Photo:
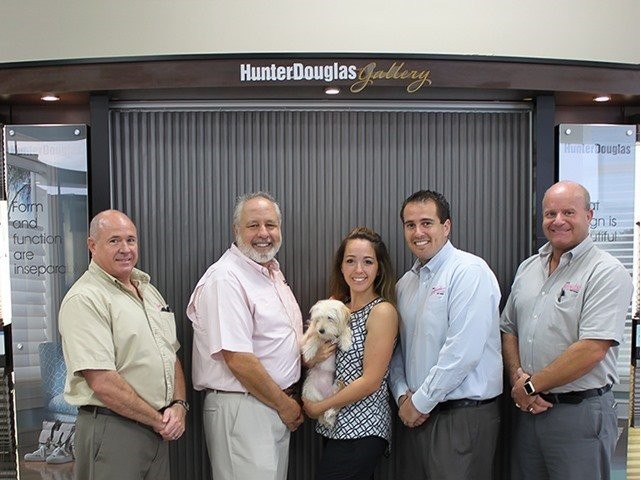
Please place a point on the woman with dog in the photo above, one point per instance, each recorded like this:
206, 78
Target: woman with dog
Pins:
363, 279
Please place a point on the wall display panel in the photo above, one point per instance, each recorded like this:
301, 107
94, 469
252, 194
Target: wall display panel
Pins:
177, 170
602, 158
46, 176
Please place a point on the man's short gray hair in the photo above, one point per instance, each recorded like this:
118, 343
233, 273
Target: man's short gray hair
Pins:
241, 200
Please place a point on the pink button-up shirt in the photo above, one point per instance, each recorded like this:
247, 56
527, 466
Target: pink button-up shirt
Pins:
239, 305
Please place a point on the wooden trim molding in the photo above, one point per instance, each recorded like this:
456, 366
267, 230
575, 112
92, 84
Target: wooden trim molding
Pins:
388, 72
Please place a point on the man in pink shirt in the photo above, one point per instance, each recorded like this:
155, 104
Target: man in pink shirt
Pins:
247, 325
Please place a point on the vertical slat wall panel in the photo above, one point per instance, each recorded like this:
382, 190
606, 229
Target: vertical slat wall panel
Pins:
178, 172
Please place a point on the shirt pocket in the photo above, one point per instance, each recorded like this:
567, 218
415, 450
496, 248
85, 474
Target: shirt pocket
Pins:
167, 322
565, 321
434, 313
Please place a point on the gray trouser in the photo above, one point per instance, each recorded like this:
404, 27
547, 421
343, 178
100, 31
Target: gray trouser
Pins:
454, 444
567, 442
109, 447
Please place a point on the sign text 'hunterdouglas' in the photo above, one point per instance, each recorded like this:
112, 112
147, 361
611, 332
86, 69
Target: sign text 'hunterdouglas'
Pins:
363, 76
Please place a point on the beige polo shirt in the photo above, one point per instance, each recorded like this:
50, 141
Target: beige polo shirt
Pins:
106, 327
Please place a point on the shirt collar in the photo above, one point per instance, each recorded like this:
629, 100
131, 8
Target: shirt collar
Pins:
546, 250
434, 263
138, 277
272, 265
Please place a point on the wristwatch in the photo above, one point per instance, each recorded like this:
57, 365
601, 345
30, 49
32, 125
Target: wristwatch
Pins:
529, 387
182, 403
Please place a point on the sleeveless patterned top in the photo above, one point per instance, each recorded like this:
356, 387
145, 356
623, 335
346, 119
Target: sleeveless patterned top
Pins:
372, 415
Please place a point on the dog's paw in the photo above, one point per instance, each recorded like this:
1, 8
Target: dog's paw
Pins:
329, 418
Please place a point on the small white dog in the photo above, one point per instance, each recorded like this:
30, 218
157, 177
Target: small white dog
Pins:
329, 323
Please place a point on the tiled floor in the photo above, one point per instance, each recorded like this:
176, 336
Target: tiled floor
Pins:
44, 471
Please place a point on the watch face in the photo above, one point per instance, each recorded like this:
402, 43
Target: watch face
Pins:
529, 388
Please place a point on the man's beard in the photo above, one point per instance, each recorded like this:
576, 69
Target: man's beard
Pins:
257, 257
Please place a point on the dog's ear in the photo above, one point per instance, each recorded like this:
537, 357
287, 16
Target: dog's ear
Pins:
346, 314
345, 340
310, 331
310, 347
312, 325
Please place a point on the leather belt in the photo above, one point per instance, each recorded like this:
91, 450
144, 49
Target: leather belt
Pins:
461, 403
574, 397
96, 410
291, 391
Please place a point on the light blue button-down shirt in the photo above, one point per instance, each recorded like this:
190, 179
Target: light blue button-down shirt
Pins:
450, 344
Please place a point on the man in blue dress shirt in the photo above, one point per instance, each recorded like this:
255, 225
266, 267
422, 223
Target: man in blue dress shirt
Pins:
446, 373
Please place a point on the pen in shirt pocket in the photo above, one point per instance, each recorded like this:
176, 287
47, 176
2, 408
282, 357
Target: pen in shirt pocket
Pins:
166, 308
561, 295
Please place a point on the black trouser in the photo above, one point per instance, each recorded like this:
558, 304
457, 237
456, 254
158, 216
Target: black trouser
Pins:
353, 459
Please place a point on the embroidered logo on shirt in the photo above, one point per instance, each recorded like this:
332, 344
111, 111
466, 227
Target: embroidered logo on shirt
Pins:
438, 291
572, 287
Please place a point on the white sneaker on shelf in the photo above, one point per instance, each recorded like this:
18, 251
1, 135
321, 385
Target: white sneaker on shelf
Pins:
60, 455
39, 455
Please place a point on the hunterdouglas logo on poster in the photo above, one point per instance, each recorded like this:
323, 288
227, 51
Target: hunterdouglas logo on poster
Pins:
363, 76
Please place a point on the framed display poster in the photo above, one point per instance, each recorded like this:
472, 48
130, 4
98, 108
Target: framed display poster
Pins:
46, 207
602, 159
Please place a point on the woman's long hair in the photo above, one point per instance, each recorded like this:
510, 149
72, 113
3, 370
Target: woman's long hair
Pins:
385, 282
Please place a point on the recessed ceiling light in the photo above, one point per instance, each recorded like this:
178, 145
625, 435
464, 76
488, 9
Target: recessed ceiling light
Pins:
50, 98
332, 90
602, 98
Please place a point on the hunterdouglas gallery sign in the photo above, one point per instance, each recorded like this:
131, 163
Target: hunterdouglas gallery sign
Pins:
362, 76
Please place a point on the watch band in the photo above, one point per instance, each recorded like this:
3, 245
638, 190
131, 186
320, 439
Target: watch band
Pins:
182, 403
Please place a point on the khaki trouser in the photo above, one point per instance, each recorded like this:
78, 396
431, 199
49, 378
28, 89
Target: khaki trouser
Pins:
246, 439
110, 447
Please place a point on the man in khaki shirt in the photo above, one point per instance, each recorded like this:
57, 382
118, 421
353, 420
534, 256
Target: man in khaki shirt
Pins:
119, 342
